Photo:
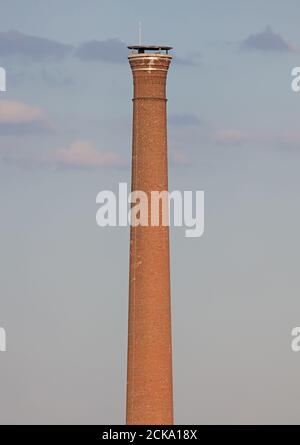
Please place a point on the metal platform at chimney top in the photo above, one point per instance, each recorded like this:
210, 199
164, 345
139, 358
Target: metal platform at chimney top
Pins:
141, 49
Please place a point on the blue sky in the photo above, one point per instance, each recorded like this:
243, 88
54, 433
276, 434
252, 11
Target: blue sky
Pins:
65, 134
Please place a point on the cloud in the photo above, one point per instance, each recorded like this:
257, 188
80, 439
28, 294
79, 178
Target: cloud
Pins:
14, 43
50, 76
115, 51
230, 137
56, 79
266, 41
191, 60
177, 158
79, 155
110, 50
16, 117
18, 112
83, 154
184, 120
288, 139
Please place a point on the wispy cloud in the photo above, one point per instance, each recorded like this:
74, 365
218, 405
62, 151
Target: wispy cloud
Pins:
184, 120
110, 50
289, 139
84, 154
15, 43
19, 117
18, 112
230, 137
191, 60
235, 137
79, 155
268, 40
33, 48
178, 158
56, 79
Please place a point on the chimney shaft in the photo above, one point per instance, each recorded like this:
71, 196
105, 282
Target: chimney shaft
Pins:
149, 374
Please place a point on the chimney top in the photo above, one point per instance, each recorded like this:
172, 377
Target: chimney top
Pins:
141, 49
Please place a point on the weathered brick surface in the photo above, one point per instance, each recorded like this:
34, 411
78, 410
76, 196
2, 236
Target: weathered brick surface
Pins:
149, 378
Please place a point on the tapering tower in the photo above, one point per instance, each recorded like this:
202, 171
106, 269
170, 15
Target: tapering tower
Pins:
149, 375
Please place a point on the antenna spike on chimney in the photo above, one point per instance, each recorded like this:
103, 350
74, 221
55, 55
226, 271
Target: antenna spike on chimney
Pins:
140, 33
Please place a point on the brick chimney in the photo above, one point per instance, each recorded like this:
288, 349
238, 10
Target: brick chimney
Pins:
149, 374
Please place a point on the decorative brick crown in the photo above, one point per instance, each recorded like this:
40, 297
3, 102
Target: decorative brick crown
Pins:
149, 62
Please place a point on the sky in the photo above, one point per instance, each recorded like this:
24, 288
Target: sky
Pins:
65, 135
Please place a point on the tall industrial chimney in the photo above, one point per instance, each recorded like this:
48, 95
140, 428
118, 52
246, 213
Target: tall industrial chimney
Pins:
149, 375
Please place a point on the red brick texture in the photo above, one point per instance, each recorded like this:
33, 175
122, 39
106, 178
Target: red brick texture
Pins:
149, 375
